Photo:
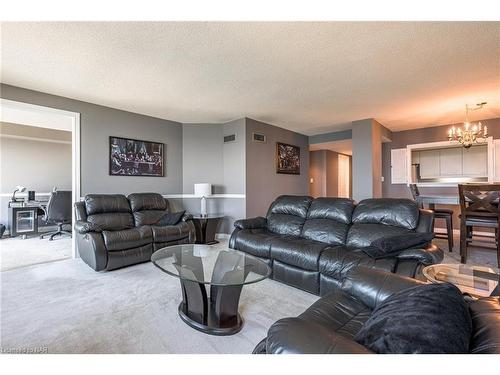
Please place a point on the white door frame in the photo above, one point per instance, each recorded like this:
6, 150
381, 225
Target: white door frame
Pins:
75, 148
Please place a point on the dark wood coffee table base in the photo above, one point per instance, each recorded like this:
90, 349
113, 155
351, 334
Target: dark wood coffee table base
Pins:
216, 314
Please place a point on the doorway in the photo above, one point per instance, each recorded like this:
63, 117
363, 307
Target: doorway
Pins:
41, 145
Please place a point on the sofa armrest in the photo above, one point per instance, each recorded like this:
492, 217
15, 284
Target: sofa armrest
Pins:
83, 227
298, 336
253, 223
92, 250
427, 256
425, 221
372, 286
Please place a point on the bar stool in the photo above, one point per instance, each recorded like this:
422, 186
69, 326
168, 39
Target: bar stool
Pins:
479, 206
439, 213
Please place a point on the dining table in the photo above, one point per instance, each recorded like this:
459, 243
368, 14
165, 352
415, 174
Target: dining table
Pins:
431, 200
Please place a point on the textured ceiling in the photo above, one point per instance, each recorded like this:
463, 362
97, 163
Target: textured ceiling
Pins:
307, 77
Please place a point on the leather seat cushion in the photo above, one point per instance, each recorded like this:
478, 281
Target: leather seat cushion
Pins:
328, 231
127, 239
402, 213
255, 242
112, 220
147, 201
148, 217
485, 314
336, 262
338, 312
335, 313
298, 252
170, 232
362, 235
103, 203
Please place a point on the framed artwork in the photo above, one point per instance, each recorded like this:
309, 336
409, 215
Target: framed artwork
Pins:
131, 157
287, 158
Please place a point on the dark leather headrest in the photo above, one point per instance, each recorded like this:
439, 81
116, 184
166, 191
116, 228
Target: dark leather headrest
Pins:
147, 201
389, 211
103, 203
338, 209
291, 205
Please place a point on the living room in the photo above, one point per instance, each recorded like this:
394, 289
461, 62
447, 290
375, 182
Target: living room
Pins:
253, 186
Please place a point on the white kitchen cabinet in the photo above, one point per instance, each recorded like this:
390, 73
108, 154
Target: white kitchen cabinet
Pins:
429, 164
496, 160
475, 161
450, 162
398, 166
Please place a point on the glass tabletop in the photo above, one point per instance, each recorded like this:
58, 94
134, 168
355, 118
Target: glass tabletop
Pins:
208, 265
476, 280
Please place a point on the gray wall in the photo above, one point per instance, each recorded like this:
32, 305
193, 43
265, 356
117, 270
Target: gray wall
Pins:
38, 165
97, 124
425, 135
206, 158
367, 137
263, 184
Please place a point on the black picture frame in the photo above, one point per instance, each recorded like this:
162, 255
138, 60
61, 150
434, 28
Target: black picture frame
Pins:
136, 158
287, 158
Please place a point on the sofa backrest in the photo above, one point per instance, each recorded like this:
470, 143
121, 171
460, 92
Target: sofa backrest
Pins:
328, 220
147, 208
109, 211
381, 217
287, 214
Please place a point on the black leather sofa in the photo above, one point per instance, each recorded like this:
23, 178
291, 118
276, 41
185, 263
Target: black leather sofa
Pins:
312, 243
332, 322
113, 231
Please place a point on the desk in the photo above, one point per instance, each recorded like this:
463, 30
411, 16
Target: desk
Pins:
23, 217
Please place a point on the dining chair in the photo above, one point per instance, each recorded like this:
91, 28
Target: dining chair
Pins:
479, 207
439, 213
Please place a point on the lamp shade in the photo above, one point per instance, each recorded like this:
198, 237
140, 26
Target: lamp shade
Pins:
202, 190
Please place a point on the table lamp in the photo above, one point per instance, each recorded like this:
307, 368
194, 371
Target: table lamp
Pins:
203, 190
20, 189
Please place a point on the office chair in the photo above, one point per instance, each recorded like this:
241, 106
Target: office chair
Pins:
58, 212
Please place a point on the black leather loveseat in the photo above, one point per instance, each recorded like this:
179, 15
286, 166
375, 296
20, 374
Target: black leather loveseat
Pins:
114, 231
312, 243
331, 323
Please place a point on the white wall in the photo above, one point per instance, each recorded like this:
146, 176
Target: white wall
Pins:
36, 158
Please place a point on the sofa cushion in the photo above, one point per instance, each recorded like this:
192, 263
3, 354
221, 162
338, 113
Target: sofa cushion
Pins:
127, 239
147, 201
387, 246
148, 217
170, 233
429, 318
362, 235
336, 262
485, 315
338, 209
328, 326
287, 214
388, 211
298, 252
104, 203
256, 242
171, 218
112, 221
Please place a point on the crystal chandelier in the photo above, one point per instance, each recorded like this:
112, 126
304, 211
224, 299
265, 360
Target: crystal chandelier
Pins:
469, 134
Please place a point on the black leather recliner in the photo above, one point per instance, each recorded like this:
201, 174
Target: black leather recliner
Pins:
331, 323
312, 243
113, 231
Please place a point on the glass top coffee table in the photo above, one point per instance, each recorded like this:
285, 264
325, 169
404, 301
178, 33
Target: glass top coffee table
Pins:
475, 280
224, 271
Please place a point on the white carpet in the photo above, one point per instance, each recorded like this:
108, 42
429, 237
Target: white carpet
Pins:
16, 252
68, 308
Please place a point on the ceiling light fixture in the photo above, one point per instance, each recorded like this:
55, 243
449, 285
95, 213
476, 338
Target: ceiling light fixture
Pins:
470, 133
